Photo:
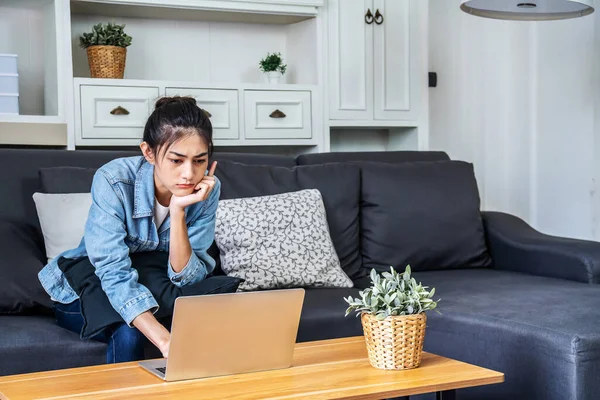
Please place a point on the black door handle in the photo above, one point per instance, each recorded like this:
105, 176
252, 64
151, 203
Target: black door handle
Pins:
378, 17
369, 17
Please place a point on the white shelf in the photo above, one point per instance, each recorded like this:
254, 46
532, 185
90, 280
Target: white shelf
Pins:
192, 84
32, 130
374, 139
262, 12
372, 124
213, 52
32, 119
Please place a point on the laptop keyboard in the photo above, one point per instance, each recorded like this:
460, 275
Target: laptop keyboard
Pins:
162, 369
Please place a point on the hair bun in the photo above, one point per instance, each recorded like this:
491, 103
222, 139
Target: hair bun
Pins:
163, 101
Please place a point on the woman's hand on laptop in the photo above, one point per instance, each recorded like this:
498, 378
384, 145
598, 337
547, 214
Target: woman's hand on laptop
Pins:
164, 349
154, 331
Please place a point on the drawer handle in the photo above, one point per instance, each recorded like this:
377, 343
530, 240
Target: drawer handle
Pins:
277, 114
209, 115
119, 111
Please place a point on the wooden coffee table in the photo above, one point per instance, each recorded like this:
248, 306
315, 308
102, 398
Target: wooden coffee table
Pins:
328, 369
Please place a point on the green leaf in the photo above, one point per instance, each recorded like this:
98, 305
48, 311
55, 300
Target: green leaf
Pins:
109, 34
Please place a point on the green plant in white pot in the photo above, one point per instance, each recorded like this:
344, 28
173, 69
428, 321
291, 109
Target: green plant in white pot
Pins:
273, 67
393, 317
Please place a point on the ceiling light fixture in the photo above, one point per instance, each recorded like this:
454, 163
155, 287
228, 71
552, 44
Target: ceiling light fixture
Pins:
528, 10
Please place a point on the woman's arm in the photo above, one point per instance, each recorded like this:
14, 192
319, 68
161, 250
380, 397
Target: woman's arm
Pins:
188, 246
180, 249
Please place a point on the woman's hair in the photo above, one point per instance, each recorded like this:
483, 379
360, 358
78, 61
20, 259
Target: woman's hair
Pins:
174, 118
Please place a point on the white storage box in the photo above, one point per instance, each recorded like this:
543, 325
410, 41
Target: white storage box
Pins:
8, 64
9, 83
9, 103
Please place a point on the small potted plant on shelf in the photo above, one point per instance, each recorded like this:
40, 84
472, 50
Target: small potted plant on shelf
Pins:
393, 318
273, 67
106, 48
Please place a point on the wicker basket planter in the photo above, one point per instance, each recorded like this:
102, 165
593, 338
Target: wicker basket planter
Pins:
395, 342
107, 61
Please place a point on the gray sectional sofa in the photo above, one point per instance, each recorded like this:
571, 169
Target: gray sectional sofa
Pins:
513, 299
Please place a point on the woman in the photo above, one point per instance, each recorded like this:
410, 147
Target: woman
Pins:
165, 200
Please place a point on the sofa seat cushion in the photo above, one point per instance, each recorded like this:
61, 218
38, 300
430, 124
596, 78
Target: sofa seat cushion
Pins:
521, 325
323, 315
36, 343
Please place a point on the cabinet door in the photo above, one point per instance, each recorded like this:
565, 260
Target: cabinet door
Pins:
395, 59
350, 60
221, 105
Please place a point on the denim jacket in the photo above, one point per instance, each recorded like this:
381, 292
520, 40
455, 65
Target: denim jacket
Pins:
121, 221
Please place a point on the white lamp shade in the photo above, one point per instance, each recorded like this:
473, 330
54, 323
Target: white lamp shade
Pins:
528, 10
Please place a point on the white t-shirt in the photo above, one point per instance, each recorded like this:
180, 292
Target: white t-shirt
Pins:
160, 213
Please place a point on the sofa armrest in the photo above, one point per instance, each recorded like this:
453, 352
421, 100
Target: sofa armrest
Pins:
516, 246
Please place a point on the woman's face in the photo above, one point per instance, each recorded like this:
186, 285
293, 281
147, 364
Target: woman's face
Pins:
181, 167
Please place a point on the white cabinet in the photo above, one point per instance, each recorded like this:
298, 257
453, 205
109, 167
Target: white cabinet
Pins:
221, 106
374, 68
113, 112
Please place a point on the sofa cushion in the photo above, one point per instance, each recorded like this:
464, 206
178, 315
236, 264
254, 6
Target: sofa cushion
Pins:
62, 220
323, 315
22, 259
522, 325
66, 179
278, 241
36, 343
338, 183
422, 214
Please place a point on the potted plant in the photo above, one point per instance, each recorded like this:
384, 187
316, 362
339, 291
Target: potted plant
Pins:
272, 65
106, 48
393, 318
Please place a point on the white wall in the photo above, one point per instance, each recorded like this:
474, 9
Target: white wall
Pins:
517, 99
565, 127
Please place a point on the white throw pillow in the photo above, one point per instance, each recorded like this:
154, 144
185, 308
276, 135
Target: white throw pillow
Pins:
62, 219
279, 241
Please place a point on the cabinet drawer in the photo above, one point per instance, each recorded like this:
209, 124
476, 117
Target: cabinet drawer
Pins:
222, 106
277, 114
115, 112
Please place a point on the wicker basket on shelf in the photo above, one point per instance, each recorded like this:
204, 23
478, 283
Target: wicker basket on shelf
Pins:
107, 61
395, 342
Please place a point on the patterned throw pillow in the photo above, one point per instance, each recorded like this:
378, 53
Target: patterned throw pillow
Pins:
279, 241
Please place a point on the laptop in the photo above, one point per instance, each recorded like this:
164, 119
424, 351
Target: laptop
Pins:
230, 333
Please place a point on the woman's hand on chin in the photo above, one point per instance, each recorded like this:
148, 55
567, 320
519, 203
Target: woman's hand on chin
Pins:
200, 193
